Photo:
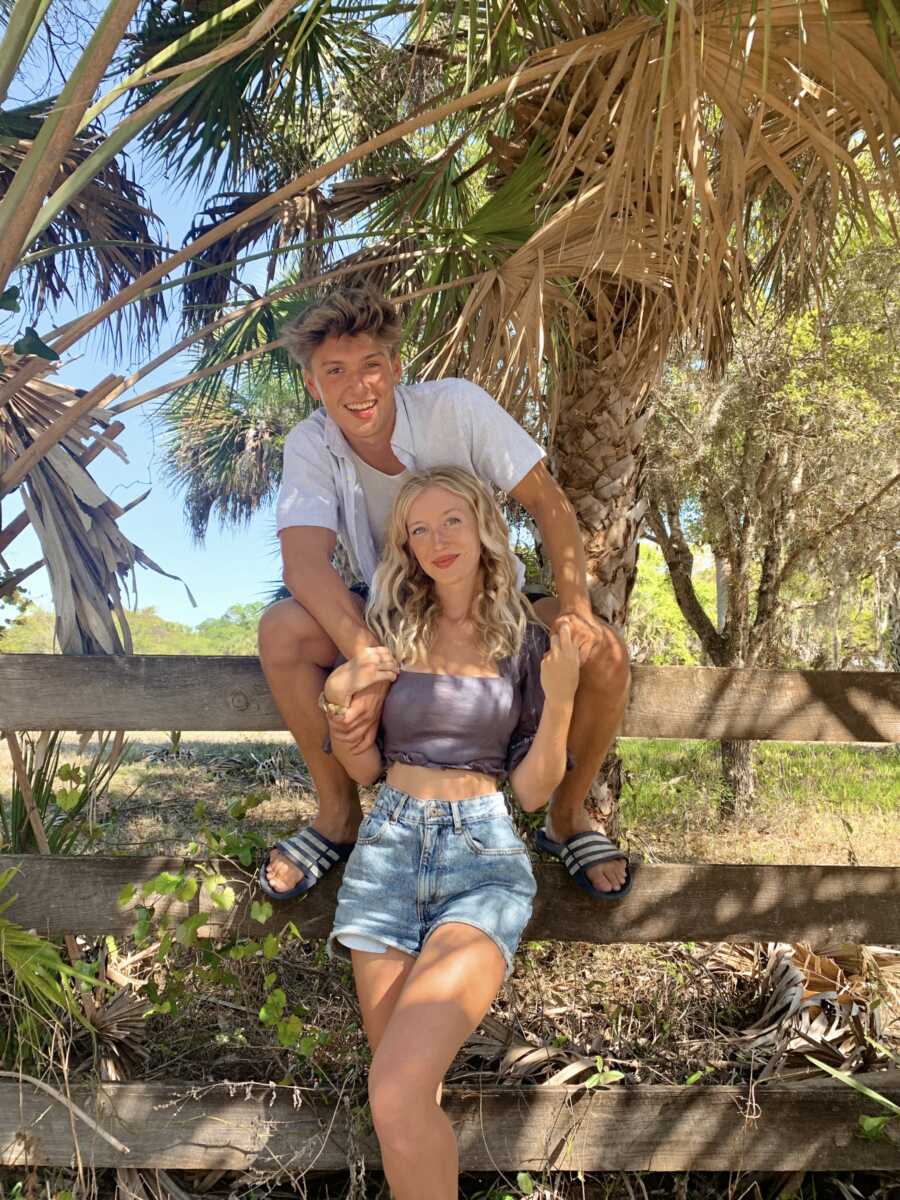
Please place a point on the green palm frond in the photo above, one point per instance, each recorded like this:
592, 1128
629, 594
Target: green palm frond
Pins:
37, 985
220, 128
226, 460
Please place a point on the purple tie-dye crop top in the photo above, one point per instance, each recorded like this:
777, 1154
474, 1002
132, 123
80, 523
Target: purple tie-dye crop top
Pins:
467, 723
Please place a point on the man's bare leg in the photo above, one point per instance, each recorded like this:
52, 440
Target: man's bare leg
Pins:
296, 656
599, 704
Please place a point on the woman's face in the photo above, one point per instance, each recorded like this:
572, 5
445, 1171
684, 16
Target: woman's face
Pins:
442, 534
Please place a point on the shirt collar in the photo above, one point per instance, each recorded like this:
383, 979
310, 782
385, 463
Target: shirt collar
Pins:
402, 438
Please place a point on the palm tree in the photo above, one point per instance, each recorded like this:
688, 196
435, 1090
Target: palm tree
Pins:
576, 185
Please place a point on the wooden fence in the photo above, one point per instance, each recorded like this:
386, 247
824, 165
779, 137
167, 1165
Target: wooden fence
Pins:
777, 1126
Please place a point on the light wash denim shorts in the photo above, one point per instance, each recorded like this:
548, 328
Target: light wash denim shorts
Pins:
420, 864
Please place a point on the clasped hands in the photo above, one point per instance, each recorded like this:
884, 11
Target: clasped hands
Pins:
360, 684
585, 629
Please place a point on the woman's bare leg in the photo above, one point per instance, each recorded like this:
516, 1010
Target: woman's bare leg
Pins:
436, 1005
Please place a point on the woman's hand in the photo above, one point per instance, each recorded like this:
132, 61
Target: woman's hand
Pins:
376, 664
559, 668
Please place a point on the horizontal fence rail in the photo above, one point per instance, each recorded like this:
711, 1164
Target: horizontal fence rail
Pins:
695, 902
777, 1127
47, 691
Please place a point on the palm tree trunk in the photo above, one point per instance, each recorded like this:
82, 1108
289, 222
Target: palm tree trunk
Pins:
599, 460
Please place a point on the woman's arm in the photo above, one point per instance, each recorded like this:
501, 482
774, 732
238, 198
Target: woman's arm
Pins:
541, 771
373, 665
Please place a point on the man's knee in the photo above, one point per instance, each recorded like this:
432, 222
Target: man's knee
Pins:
608, 667
288, 633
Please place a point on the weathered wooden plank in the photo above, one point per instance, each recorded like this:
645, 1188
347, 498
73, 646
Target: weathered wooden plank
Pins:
45, 691
699, 902
624, 1129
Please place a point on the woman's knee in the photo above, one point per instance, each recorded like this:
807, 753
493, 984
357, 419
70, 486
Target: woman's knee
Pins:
397, 1100
288, 633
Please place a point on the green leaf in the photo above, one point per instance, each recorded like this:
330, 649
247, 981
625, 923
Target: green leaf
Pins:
270, 946
222, 896
126, 895
273, 1007
30, 343
289, 1030
166, 883
142, 925
186, 930
67, 798
872, 1128
525, 1184
308, 1044
243, 950
188, 889
260, 911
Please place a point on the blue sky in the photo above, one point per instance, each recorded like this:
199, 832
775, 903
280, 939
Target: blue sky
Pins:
232, 567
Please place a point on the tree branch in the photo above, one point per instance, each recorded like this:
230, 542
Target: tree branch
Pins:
679, 561
794, 559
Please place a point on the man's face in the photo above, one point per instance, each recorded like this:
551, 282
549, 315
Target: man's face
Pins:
353, 377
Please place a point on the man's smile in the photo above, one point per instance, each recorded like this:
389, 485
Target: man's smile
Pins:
363, 409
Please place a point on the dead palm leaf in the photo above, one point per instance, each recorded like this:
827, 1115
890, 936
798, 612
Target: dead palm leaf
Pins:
831, 1003
86, 554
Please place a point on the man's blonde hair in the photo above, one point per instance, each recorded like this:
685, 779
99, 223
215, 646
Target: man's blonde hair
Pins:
345, 311
403, 608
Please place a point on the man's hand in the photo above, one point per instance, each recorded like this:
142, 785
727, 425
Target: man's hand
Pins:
585, 631
358, 726
375, 664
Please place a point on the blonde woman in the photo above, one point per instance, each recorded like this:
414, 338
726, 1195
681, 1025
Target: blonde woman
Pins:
439, 887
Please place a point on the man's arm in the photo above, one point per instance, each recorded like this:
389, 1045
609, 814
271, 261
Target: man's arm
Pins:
548, 505
306, 552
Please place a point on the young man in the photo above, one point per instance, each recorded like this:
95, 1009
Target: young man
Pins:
343, 466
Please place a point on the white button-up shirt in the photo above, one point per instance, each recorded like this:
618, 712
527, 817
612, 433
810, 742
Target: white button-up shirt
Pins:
449, 422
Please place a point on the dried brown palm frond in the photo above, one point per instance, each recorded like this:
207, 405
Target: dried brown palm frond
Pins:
830, 1004
658, 163
119, 1026
86, 554
687, 165
497, 1048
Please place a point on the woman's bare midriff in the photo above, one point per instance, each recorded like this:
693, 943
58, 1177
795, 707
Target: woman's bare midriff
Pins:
429, 783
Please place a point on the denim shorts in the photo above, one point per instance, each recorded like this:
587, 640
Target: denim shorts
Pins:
420, 864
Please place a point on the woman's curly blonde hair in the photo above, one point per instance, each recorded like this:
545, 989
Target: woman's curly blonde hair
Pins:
403, 607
